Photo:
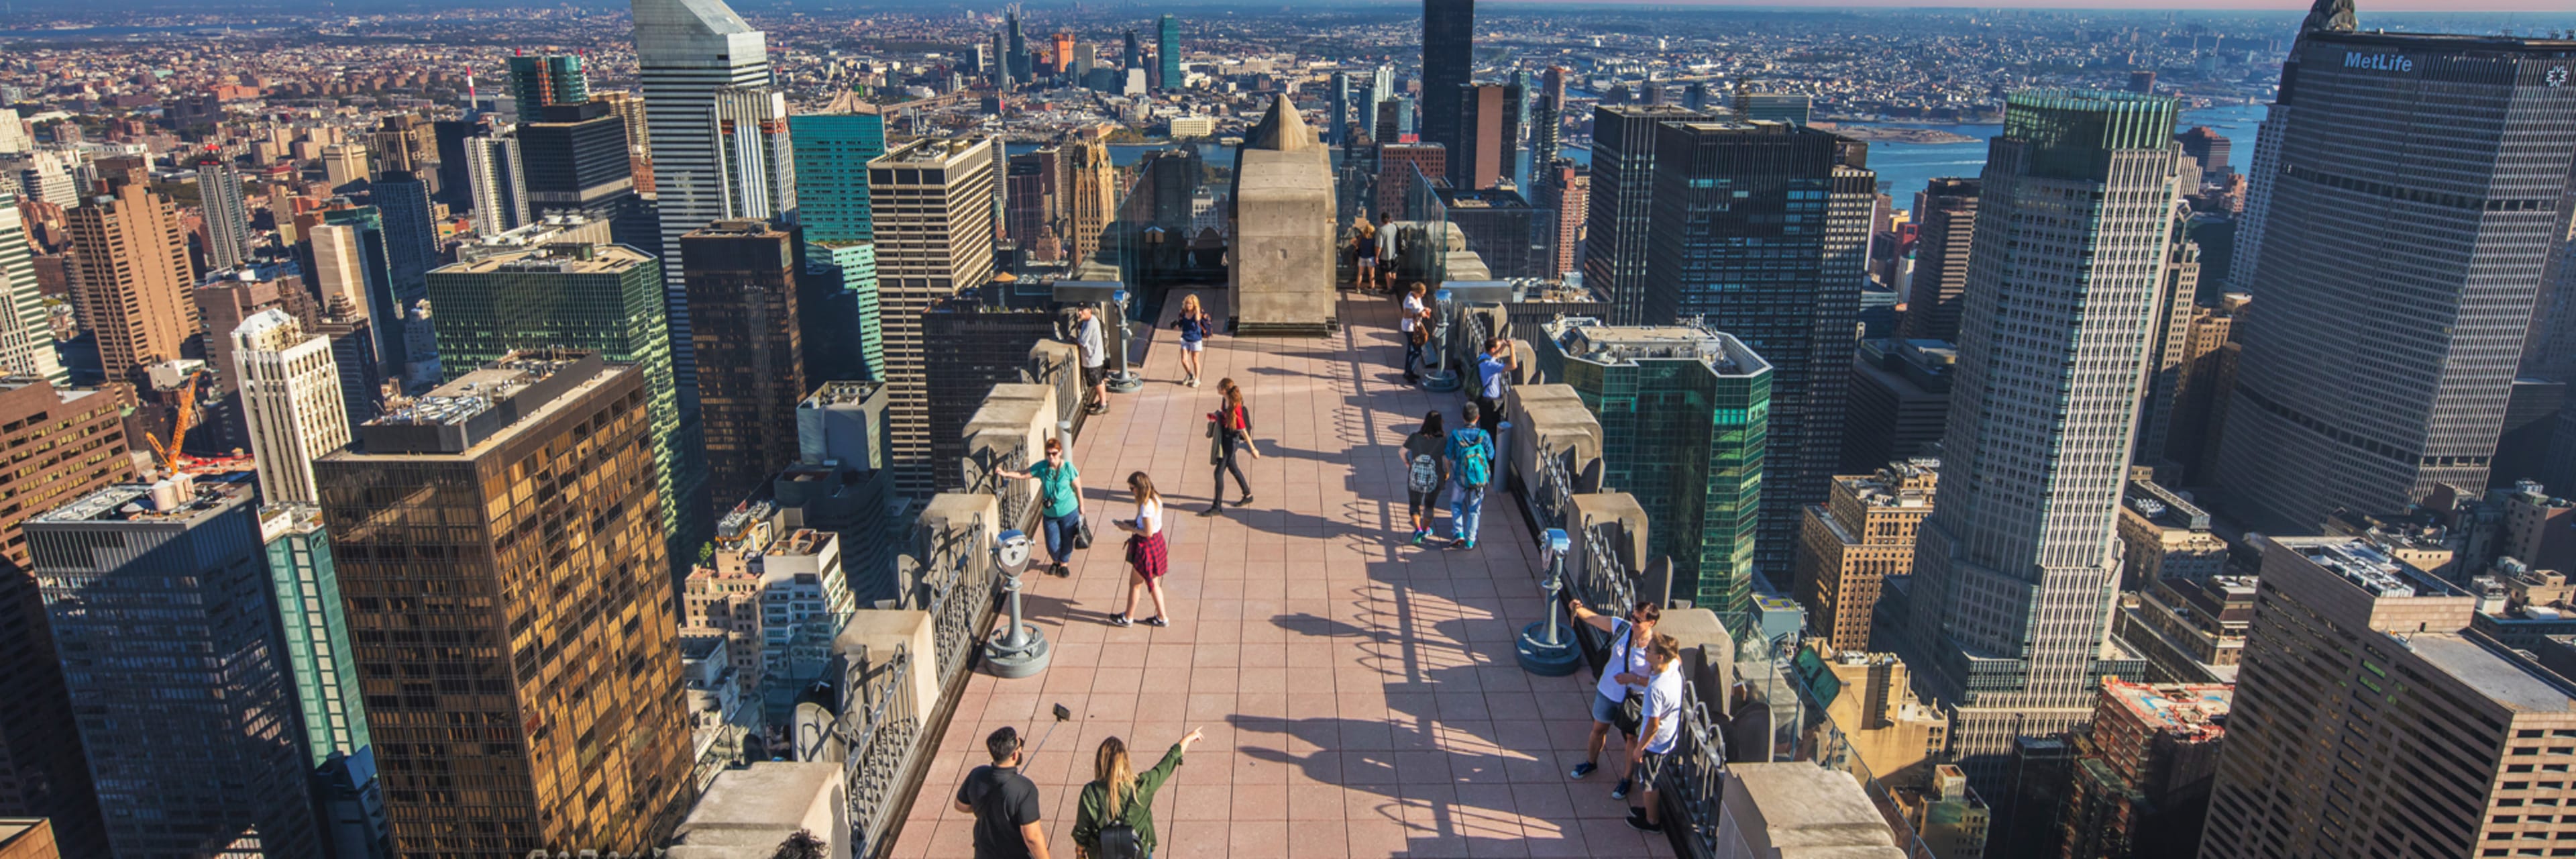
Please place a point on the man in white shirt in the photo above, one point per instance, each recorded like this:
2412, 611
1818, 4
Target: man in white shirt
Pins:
1659, 730
1095, 359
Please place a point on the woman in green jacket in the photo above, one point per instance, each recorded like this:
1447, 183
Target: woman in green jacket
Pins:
1120, 794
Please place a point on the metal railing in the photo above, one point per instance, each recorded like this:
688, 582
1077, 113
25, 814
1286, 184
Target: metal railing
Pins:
958, 589
882, 730
1017, 501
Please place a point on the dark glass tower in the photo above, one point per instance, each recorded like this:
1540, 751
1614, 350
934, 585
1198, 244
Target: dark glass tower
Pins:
744, 281
189, 717
2410, 190
1448, 59
1623, 180
1761, 230
573, 159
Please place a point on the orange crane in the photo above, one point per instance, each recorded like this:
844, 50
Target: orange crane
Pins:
171, 458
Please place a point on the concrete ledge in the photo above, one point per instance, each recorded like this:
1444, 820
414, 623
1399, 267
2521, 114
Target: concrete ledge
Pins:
1708, 653
873, 636
748, 812
1059, 367
1013, 416
1623, 521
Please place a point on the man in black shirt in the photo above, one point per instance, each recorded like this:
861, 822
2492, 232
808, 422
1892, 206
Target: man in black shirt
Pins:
1004, 802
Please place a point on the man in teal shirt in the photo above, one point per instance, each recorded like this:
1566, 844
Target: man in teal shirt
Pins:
1059, 502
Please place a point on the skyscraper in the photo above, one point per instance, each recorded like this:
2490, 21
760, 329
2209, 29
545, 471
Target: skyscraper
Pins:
2211, 150
1091, 201
402, 202
831, 155
493, 177
844, 332
1489, 136
599, 298
574, 160
1448, 60
685, 52
290, 392
1381, 88
2015, 571
758, 163
26, 335
1615, 234
220, 769
387, 297
1547, 122
1762, 231
568, 660
43, 772
2397, 277
745, 287
1167, 49
219, 193
1018, 57
1946, 210
934, 224
1339, 103
2361, 677
546, 80
129, 271
314, 624
1683, 414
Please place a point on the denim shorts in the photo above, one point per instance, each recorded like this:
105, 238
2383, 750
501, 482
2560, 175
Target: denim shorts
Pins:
1605, 709
1650, 768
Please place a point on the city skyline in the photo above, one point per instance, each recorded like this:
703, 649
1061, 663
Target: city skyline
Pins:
631, 425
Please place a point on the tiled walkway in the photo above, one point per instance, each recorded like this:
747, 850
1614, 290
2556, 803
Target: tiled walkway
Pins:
1360, 695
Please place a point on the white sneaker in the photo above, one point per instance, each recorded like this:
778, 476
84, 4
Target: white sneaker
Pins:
1192, 382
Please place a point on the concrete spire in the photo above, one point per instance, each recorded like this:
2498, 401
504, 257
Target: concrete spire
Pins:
1283, 129
2333, 16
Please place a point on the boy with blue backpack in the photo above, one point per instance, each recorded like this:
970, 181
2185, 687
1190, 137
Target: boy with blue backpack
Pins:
1471, 470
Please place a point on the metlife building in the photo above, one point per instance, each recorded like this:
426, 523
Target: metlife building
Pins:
2412, 187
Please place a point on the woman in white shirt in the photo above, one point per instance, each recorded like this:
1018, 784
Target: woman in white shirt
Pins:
1145, 551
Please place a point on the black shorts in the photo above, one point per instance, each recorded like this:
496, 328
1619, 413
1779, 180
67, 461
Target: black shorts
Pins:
1418, 502
1093, 376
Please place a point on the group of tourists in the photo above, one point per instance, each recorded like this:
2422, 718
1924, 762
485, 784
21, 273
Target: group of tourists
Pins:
1639, 693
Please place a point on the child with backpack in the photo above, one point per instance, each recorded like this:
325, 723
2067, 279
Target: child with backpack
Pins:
1116, 817
1471, 468
1426, 466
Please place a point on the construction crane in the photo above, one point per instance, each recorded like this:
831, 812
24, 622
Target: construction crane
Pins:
171, 458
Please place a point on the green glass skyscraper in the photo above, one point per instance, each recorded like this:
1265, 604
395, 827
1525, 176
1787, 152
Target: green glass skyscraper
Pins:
315, 629
602, 298
837, 298
1685, 414
543, 80
1167, 53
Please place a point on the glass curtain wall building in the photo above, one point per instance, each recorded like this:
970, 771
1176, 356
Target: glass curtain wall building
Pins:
1684, 414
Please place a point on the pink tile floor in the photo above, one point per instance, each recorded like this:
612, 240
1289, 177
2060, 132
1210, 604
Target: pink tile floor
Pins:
1359, 694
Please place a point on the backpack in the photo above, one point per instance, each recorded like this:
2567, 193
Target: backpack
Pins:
1476, 462
1425, 472
1119, 840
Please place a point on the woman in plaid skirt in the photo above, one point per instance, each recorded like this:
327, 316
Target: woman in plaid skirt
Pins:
1145, 552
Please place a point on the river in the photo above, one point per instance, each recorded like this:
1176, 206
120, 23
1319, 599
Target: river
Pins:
1903, 168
